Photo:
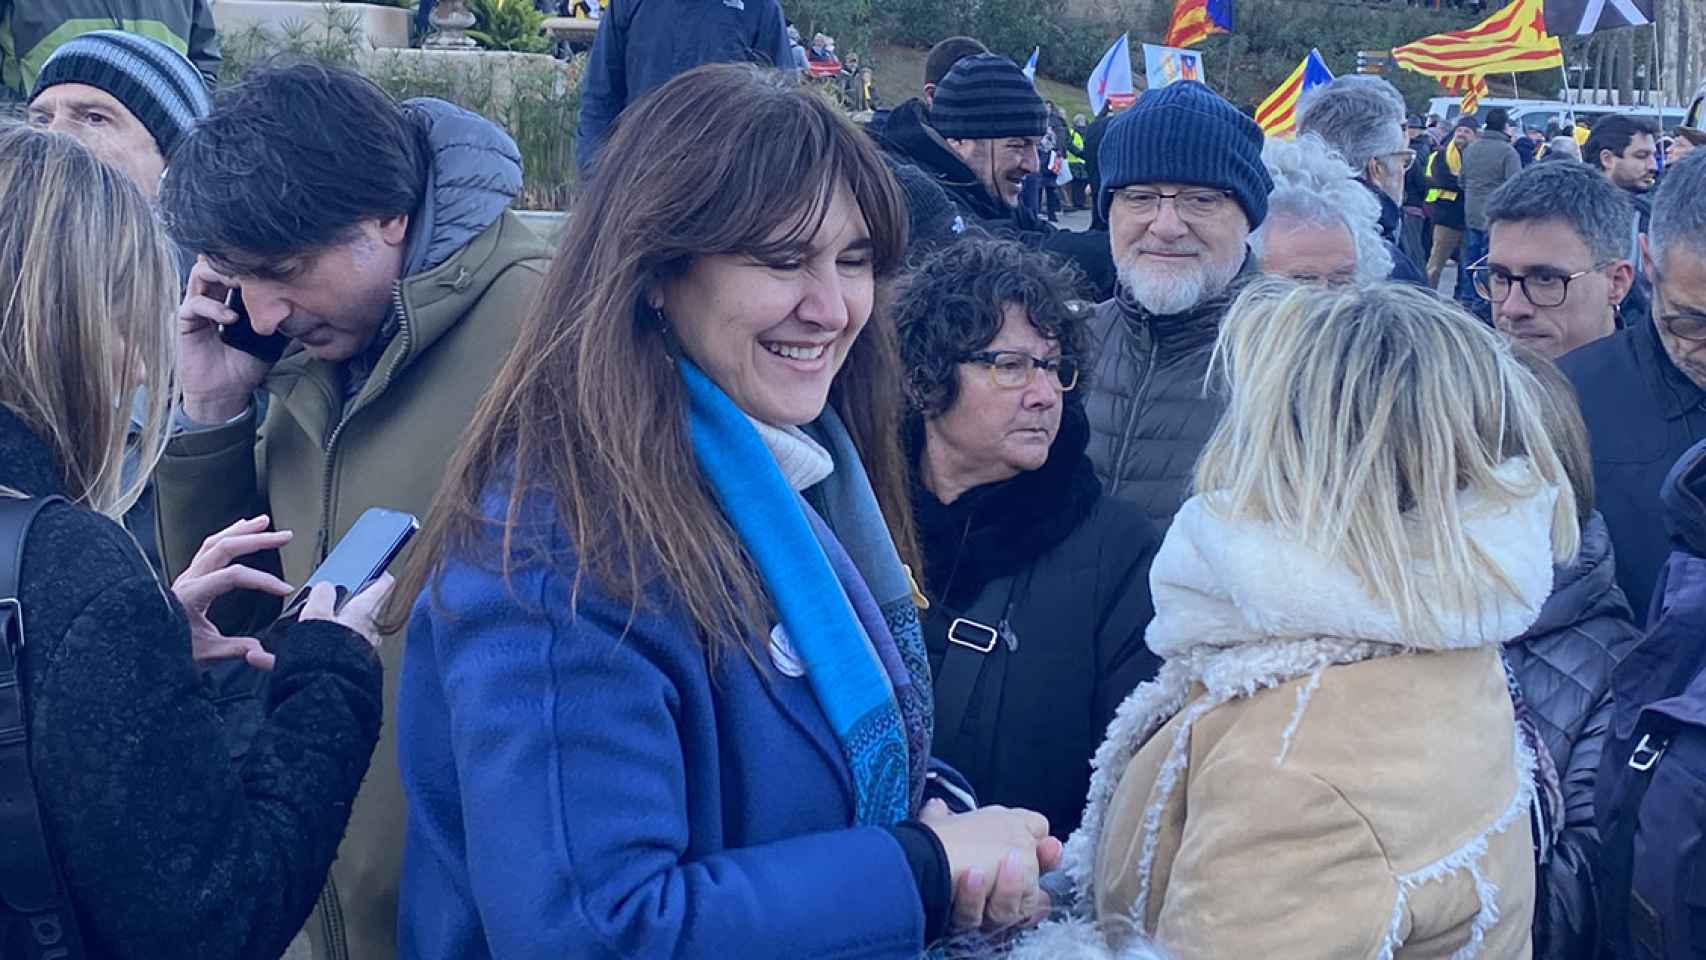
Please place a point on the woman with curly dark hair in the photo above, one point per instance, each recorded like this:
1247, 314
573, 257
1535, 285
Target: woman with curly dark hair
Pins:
1039, 585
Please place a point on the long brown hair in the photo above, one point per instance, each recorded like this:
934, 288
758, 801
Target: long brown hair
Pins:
88, 283
590, 412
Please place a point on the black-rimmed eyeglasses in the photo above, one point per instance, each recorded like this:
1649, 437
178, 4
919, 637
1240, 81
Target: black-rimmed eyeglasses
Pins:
1542, 288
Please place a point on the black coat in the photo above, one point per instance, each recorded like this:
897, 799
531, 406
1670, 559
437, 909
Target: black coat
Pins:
908, 138
1149, 418
1071, 570
1642, 413
1404, 269
167, 849
1563, 665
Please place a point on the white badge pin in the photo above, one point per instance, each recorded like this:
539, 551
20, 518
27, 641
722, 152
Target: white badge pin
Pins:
782, 653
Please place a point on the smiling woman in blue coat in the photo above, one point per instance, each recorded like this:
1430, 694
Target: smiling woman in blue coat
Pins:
666, 692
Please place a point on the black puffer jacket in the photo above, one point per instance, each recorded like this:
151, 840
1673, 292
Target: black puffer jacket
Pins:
1149, 418
1563, 665
908, 138
1079, 604
167, 849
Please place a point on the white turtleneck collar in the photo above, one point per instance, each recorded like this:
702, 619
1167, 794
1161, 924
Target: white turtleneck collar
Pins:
804, 461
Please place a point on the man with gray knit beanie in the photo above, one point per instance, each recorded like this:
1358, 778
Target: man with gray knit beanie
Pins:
1183, 185
126, 97
978, 143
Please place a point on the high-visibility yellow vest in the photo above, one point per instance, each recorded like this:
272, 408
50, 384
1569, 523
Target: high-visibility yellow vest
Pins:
1453, 160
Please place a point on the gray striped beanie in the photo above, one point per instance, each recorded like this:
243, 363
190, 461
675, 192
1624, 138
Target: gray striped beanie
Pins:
987, 97
158, 85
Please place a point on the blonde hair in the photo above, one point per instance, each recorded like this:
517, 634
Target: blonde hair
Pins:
88, 283
1356, 418
1562, 414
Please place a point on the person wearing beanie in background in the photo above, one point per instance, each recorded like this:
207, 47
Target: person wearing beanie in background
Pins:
1183, 184
126, 97
31, 30
129, 99
978, 143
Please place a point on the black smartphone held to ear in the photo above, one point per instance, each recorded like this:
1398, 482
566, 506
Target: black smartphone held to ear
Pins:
241, 334
360, 557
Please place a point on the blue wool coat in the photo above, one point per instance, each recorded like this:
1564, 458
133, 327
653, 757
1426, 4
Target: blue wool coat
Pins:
577, 792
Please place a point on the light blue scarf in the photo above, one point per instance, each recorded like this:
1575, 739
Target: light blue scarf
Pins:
862, 672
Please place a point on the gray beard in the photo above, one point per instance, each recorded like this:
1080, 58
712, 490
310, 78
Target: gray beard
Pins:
1165, 292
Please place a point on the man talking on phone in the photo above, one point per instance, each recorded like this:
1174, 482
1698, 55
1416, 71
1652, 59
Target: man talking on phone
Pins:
373, 242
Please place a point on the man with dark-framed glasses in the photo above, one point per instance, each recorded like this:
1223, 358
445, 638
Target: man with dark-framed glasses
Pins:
1557, 263
1643, 390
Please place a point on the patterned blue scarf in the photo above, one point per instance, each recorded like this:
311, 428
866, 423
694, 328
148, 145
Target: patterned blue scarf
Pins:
862, 654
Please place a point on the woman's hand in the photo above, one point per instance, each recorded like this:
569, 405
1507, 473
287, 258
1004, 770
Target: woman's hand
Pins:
358, 614
213, 573
995, 855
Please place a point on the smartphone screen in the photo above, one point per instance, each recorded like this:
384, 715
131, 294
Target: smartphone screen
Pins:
361, 556
241, 334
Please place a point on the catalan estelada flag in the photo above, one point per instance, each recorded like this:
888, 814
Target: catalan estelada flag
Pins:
1472, 86
1196, 20
1277, 116
1514, 40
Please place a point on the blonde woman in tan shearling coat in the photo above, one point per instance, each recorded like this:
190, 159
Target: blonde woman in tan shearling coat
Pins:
1328, 766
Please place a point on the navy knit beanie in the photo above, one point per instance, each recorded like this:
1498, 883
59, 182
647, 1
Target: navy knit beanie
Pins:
987, 97
1187, 133
157, 84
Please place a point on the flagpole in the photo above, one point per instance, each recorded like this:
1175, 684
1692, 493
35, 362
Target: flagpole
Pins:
1565, 71
1653, 68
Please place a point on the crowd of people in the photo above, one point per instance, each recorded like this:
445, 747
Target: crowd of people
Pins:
821, 553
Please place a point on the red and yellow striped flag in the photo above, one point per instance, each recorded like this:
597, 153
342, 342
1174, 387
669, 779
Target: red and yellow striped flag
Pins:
1513, 40
1196, 20
1277, 116
1472, 86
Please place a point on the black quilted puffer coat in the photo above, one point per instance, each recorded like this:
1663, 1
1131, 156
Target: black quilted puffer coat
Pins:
1149, 417
1563, 664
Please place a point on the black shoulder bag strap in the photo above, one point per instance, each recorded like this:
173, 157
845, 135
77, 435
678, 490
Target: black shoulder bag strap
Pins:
35, 914
975, 639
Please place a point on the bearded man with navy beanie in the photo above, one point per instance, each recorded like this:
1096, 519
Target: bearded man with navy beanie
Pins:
978, 142
1183, 185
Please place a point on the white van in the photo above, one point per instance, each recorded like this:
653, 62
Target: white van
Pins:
1537, 113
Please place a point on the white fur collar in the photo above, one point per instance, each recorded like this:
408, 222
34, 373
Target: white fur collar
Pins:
1240, 609
804, 461
1224, 583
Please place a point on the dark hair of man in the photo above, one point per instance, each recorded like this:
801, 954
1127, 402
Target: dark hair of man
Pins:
1497, 119
1614, 133
1573, 195
952, 305
589, 414
946, 53
289, 161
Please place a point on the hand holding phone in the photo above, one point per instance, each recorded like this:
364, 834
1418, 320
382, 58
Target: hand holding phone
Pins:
360, 614
218, 380
240, 333
360, 558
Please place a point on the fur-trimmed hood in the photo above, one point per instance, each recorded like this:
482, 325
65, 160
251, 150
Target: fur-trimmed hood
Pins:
1254, 626
1221, 583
